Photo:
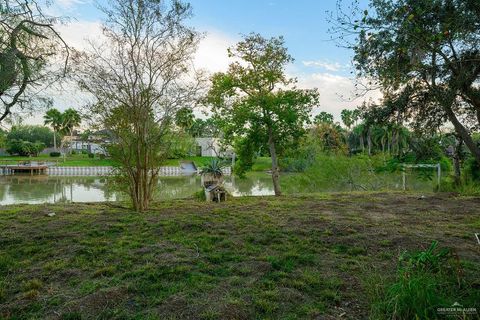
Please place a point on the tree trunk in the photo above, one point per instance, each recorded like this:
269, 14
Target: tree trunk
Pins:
369, 141
275, 171
389, 143
54, 140
463, 134
394, 142
457, 154
70, 146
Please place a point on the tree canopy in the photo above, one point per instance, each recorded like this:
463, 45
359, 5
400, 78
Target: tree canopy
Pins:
425, 56
257, 104
140, 78
323, 117
29, 45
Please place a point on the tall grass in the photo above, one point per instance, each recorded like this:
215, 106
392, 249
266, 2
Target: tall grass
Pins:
425, 281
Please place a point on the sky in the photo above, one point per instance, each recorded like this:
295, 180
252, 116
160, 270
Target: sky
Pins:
319, 62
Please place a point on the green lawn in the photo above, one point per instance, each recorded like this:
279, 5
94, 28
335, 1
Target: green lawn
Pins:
302, 257
262, 164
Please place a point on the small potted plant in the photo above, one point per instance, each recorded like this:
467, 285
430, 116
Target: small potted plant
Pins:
212, 173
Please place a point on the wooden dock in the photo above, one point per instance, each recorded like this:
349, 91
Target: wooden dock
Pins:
8, 167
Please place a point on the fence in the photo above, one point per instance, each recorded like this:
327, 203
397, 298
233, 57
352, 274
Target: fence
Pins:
436, 166
104, 171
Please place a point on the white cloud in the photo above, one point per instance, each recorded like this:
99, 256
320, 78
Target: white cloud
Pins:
64, 8
70, 3
212, 52
211, 56
324, 64
76, 33
336, 92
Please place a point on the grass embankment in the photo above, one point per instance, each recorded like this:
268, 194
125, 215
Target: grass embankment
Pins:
249, 258
82, 160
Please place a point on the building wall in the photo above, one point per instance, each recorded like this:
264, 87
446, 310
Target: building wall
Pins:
209, 146
89, 146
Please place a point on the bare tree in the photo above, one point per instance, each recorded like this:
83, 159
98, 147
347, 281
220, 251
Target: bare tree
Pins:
140, 77
32, 54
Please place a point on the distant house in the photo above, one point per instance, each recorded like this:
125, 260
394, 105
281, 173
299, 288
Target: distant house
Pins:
90, 147
93, 144
210, 147
207, 147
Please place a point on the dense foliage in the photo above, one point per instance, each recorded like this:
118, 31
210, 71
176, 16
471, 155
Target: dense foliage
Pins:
32, 54
425, 56
32, 134
24, 148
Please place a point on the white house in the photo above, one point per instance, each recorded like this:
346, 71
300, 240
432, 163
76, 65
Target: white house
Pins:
210, 147
90, 147
207, 147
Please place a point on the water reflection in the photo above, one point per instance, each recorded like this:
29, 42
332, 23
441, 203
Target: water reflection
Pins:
41, 189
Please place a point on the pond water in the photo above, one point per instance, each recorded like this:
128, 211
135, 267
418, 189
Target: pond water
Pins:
43, 188
40, 189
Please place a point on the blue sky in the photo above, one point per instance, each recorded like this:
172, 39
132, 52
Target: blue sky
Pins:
319, 62
303, 23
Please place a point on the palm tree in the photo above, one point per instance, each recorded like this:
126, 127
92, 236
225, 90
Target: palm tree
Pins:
185, 118
54, 118
71, 119
347, 118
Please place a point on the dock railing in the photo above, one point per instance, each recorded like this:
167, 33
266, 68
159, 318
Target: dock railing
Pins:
15, 162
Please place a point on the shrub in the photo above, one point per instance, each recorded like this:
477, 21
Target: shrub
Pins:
91, 155
24, 148
55, 154
84, 151
214, 168
336, 172
73, 152
101, 156
32, 134
200, 195
472, 169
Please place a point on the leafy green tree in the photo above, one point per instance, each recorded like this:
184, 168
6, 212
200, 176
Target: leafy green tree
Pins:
181, 144
54, 118
184, 118
3, 138
329, 137
70, 119
204, 128
152, 45
257, 104
323, 117
347, 118
425, 56
32, 134
85, 135
24, 148
28, 45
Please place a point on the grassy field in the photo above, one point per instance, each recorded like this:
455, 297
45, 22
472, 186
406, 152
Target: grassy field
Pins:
82, 160
303, 257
